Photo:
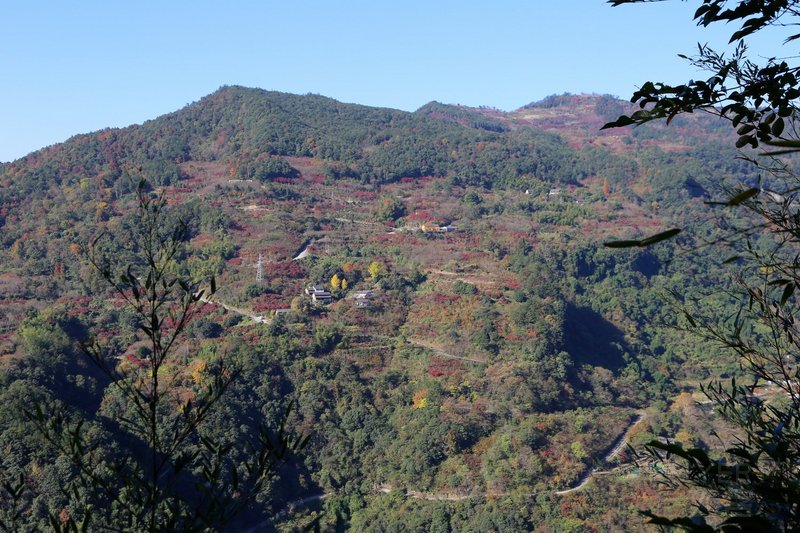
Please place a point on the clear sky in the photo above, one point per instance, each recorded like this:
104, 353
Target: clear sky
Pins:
75, 67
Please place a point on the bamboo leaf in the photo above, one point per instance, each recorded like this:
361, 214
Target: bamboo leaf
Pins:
787, 292
658, 237
743, 196
622, 244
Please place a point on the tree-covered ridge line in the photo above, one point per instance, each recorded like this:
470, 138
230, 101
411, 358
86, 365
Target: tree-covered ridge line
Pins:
237, 125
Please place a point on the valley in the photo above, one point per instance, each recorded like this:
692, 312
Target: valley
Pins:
473, 351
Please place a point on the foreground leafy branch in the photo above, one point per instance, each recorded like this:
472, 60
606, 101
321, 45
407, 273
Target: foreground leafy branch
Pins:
759, 100
755, 481
164, 470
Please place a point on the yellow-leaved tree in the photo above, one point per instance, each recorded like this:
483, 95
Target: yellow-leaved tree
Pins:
375, 269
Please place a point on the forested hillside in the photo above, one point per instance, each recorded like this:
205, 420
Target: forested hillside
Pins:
500, 355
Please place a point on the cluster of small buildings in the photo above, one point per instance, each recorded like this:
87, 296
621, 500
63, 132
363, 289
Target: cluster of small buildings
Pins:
319, 295
362, 299
556, 192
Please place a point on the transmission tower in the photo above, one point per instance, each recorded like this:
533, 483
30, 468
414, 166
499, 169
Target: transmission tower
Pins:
259, 270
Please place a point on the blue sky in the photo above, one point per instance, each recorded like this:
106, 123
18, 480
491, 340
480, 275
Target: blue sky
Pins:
76, 67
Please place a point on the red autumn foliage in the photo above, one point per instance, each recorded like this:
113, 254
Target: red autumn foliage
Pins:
130, 358
440, 367
419, 216
511, 283
15, 301
365, 195
445, 299
77, 311
495, 294
286, 269
270, 302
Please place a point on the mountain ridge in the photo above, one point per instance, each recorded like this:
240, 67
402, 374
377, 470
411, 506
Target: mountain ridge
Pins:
503, 347
228, 94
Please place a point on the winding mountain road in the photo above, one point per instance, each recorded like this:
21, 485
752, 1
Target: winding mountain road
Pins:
440, 353
619, 444
257, 318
